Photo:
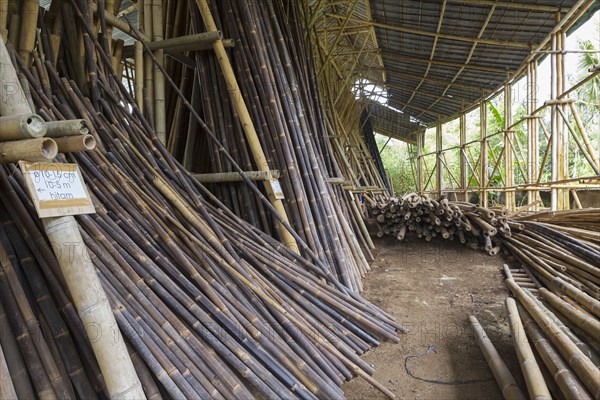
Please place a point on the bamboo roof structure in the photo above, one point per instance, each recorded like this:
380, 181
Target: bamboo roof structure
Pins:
434, 58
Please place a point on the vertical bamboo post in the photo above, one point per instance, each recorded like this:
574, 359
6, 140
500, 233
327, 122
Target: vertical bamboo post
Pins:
240, 106
420, 138
160, 123
4, 19
439, 173
532, 132
463, 156
483, 172
563, 137
145, 15
509, 139
29, 15
139, 74
80, 275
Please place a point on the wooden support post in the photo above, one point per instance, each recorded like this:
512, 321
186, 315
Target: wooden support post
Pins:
240, 107
82, 281
464, 172
483, 171
509, 140
420, 138
439, 173
532, 133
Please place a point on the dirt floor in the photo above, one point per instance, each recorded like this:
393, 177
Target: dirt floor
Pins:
432, 288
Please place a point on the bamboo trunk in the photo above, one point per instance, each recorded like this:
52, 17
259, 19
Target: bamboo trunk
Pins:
94, 310
23, 126
534, 379
70, 144
42, 149
504, 378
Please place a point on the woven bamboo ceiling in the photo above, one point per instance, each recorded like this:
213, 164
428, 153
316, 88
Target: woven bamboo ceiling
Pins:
434, 58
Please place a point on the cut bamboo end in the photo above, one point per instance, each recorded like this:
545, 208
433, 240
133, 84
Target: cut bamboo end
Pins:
24, 126
40, 149
70, 144
73, 127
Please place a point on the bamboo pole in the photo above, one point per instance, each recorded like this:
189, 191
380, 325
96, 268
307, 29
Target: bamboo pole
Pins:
72, 127
245, 119
23, 126
7, 390
70, 144
160, 123
29, 15
504, 378
41, 149
14, 99
582, 365
533, 376
236, 177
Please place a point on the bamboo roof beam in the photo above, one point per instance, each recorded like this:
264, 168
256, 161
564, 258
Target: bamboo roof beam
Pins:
402, 57
432, 54
439, 81
471, 52
510, 4
492, 42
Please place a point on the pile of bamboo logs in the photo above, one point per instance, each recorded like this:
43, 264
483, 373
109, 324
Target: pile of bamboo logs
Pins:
209, 305
477, 227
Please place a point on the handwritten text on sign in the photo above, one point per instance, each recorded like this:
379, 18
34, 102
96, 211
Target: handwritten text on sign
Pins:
57, 189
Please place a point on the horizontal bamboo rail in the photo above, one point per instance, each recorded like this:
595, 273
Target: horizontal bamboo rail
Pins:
222, 177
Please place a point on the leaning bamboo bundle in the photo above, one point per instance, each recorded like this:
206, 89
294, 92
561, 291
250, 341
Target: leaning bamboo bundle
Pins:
214, 306
274, 80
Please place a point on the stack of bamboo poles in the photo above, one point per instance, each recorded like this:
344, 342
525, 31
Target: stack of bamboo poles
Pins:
477, 227
275, 78
210, 306
554, 313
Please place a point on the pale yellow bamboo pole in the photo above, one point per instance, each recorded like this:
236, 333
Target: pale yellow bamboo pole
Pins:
244, 116
4, 18
139, 75
505, 380
29, 15
83, 283
160, 122
483, 171
144, 10
584, 135
536, 385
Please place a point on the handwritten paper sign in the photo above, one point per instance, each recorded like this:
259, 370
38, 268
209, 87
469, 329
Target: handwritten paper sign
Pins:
57, 189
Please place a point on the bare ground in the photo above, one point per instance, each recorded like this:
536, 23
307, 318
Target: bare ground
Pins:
432, 288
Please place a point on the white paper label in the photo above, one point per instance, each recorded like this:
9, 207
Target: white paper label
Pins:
276, 186
57, 185
56, 189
